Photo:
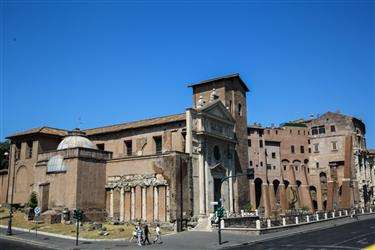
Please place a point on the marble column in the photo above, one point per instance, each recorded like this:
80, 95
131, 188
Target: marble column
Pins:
156, 204
132, 210
122, 204
111, 204
144, 204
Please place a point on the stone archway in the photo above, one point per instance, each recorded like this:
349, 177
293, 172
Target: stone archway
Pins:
258, 191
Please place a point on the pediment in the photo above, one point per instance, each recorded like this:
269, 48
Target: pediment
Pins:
218, 109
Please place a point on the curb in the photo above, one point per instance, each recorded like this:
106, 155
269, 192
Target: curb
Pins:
257, 241
26, 241
71, 237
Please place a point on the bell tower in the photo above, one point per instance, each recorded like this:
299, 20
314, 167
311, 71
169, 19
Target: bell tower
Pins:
231, 91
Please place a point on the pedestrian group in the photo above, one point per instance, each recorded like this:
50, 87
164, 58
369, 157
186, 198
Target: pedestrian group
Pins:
142, 235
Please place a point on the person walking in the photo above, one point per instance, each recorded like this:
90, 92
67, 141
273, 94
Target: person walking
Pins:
134, 235
139, 235
158, 234
146, 231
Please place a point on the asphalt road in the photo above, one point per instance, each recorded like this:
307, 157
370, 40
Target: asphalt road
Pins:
350, 236
10, 244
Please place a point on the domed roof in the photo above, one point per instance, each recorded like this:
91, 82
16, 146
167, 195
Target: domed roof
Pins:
56, 164
75, 139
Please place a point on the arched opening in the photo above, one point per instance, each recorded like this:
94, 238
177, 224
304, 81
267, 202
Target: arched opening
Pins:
286, 184
285, 164
276, 184
323, 187
313, 195
258, 191
298, 183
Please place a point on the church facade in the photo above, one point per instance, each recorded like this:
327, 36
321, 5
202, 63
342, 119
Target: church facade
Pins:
169, 169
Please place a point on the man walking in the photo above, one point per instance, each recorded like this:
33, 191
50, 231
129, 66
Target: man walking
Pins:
146, 232
158, 234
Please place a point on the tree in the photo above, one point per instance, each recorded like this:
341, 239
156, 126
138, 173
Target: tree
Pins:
4, 160
33, 201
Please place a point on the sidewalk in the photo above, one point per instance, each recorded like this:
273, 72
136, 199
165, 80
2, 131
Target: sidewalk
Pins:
184, 240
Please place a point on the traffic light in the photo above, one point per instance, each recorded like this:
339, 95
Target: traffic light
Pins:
78, 214
250, 173
220, 212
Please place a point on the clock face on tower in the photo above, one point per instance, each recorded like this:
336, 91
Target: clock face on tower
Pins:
217, 155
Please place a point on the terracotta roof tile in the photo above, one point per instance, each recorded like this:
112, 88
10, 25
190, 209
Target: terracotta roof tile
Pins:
42, 130
136, 124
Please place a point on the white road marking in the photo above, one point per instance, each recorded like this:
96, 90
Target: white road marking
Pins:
363, 241
335, 247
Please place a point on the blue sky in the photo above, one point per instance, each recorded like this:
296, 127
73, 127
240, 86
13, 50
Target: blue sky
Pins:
92, 63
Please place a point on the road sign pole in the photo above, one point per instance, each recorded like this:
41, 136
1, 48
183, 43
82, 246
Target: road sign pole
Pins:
219, 231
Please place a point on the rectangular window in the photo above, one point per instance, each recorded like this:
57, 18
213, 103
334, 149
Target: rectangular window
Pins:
290, 131
284, 168
249, 142
292, 149
333, 128
274, 167
276, 131
314, 130
317, 165
128, 147
334, 145
302, 149
100, 146
308, 141
322, 130
251, 163
158, 144
29, 150
261, 143
316, 148
299, 132
261, 164
273, 155
309, 150
296, 168
308, 170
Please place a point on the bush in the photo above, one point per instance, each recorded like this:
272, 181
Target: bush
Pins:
33, 201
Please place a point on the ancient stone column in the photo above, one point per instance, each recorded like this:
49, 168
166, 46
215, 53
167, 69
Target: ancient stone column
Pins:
266, 200
156, 204
202, 189
122, 204
283, 197
132, 210
144, 204
111, 204
271, 192
252, 195
168, 205
230, 183
330, 194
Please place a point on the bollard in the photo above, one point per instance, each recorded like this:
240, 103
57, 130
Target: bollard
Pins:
317, 217
257, 223
370, 210
346, 212
325, 215
297, 220
268, 223
256, 212
340, 213
242, 213
222, 224
284, 221
307, 218
363, 211
333, 214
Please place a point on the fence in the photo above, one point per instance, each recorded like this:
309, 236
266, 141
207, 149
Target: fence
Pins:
254, 221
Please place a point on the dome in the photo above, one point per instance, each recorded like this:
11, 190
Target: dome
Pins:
76, 140
56, 164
